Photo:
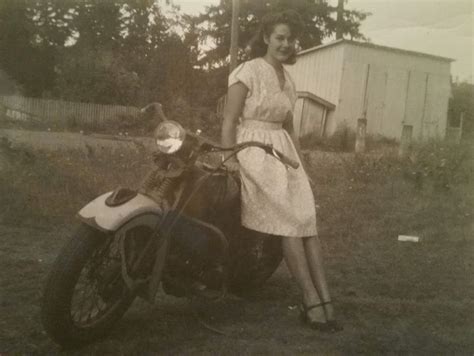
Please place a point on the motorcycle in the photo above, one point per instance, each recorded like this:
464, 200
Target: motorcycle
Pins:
179, 229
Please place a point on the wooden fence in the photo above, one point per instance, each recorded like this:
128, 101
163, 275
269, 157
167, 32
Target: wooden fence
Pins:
63, 113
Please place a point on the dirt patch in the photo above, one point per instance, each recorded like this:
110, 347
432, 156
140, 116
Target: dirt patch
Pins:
64, 141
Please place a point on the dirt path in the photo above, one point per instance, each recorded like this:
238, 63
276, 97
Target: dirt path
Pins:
54, 141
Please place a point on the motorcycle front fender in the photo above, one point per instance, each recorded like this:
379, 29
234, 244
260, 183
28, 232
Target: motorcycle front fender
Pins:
109, 219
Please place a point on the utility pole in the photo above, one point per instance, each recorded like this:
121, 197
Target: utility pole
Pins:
234, 36
340, 21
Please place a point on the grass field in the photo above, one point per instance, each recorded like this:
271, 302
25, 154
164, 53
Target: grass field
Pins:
392, 297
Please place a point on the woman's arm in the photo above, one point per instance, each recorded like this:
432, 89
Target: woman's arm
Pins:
233, 109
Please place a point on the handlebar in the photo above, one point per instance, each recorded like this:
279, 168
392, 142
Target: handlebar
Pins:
270, 150
267, 148
156, 109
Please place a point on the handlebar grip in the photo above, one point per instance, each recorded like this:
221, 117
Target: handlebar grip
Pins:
286, 160
270, 150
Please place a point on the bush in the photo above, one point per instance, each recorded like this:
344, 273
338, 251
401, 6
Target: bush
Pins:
441, 163
435, 164
343, 140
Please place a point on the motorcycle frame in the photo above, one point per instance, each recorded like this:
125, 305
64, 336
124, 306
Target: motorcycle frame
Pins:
167, 215
162, 251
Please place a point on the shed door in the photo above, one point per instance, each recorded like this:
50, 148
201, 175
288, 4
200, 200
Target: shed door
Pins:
394, 108
375, 102
415, 99
437, 96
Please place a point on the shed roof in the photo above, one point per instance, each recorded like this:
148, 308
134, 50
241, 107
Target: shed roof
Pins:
316, 99
371, 45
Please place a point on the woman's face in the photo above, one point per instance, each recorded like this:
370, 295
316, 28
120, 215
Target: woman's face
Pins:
281, 44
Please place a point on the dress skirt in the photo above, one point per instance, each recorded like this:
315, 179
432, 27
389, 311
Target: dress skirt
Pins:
276, 199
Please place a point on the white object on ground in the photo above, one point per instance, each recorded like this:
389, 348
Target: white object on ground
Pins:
408, 238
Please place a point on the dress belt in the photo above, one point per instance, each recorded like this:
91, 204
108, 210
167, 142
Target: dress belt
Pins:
259, 124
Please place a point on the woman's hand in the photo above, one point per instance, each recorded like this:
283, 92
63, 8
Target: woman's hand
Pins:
288, 126
232, 165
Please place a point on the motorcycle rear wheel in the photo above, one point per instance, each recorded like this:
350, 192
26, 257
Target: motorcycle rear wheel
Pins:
80, 262
257, 259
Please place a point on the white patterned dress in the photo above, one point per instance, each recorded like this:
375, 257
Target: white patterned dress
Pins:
275, 199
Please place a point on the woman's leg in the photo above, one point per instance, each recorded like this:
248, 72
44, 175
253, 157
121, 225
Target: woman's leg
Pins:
312, 247
296, 260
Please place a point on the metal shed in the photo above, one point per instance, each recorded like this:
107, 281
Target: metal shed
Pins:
347, 80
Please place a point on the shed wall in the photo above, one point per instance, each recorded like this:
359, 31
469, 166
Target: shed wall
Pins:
319, 73
393, 59
391, 89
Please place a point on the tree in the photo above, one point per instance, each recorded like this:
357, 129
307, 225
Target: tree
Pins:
21, 57
123, 52
31, 35
215, 26
99, 75
462, 101
318, 18
96, 24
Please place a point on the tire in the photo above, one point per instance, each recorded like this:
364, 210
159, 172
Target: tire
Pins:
258, 258
56, 312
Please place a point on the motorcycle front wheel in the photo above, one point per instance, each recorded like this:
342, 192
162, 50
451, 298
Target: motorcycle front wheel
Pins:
85, 294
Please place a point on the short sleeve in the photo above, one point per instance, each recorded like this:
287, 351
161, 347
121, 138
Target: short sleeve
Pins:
243, 73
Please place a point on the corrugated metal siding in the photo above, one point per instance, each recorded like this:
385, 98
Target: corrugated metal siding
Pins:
319, 74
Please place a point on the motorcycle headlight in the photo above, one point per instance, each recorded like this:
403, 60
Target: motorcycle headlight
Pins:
169, 136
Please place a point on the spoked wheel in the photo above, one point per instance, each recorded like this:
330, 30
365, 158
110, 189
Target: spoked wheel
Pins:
99, 288
85, 293
257, 259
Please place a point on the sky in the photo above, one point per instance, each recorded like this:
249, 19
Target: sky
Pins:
440, 27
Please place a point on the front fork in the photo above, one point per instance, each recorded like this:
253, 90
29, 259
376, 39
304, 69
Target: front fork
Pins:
166, 188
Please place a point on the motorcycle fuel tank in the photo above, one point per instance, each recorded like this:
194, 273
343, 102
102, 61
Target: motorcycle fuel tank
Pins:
215, 198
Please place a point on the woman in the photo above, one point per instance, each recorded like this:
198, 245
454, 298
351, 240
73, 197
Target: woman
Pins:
275, 199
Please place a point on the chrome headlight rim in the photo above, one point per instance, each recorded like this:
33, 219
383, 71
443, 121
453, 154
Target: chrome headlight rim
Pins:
169, 136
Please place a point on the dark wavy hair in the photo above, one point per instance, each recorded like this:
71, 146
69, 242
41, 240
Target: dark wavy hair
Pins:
257, 46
